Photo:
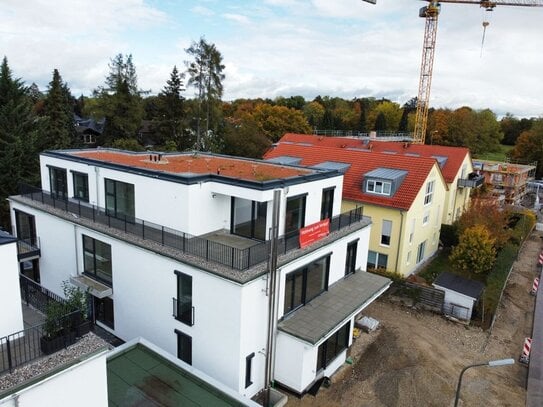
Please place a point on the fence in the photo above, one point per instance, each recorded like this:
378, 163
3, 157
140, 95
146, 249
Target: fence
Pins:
25, 346
239, 259
34, 294
429, 297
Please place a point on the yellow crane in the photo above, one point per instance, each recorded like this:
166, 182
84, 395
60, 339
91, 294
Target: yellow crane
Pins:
431, 13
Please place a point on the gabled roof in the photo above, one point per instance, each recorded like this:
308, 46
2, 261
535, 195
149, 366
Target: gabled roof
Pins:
453, 282
453, 165
362, 163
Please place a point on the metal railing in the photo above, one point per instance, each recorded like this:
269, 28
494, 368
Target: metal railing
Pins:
380, 135
186, 317
239, 259
25, 346
27, 248
34, 294
471, 182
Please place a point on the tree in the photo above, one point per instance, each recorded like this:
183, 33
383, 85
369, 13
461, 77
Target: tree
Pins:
475, 251
380, 122
206, 75
245, 138
170, 110
408, 108
314, 113
529, 146
120, 100
275, 121
489, 215
58, 109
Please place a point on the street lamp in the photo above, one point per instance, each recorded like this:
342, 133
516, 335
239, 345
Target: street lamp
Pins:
492, 363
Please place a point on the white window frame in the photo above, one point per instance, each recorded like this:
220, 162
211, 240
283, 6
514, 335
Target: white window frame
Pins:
378, 187
429, 192
426, 218
421, 253
412, 231
409, 257
386, 224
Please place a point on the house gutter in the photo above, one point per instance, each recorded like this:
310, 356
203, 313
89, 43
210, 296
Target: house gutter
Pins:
399, 240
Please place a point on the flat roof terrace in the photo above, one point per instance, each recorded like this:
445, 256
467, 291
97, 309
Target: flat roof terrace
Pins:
194, 164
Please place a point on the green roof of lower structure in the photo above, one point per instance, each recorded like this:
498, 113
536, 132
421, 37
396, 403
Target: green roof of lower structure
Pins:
141, 377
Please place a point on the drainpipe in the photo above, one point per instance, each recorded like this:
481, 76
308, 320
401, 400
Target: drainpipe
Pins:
76, 254
454, 204
399, 240
97, 175
272, 279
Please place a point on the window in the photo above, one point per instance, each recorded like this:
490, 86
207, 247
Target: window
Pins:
378, 187
350, 262
81, 186
249, 218
409, 257
120, 199
183, 309
295, 214
184, 347
425, 218
103, 311
420, 252
333, 346
304, 284
412, 230
327, 203
429, 192
377, 260
97, 259
25, 226
248, 368
386, 230
58, 183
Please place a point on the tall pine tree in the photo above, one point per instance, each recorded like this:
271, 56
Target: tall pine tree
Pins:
59, 104
171, 112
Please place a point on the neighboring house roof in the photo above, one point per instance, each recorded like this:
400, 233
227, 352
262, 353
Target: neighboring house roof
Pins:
461, 285
362, 163
6, 238
89, 125
454, 155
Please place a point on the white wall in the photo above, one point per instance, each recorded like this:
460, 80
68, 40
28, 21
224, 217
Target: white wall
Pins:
11, 320
83, 384
456, 298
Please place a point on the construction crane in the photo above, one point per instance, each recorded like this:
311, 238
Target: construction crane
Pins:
431, 13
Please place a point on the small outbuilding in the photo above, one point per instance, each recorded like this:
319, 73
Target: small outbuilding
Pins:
461, 294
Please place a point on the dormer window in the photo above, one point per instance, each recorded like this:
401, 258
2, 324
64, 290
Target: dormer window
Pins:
378, 187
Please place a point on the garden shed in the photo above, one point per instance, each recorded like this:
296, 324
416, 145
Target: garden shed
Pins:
461, 294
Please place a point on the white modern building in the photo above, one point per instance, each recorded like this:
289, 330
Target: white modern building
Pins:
175, 248
10, 295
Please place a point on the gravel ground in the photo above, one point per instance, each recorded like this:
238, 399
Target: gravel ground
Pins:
87, 344
415, 357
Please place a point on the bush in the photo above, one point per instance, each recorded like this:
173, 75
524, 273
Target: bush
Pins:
475, 251
525, 221
449, 235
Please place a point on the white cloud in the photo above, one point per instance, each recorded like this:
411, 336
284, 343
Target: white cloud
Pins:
238, 18
203, 11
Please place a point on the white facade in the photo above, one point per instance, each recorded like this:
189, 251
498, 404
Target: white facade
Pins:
230, 307
457, 304
83, 384
10, 293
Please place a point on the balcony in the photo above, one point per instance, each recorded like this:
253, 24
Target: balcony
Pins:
474, 180
28, 249
227, 252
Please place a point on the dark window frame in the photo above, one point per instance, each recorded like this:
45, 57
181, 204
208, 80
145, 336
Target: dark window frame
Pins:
254, 231
85, 197
94, 273
248, 369
330, 349
304, 272
102, 309
350, 258
115, 211
184, 349
289, 230
58, 180
185, 310
30, 226
327, 203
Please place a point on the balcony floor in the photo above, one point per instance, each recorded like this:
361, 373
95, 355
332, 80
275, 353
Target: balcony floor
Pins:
226, 238
31, 316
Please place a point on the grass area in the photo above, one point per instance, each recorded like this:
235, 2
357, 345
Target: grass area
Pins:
496, 156
436, 266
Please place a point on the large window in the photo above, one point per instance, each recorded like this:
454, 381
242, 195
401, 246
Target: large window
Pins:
295, 215
350, 262
120, 199
386, 231
304, 284
420, 252
97, 259
377, 260
333, 346
429, 192
183, 304
378, 187
184, 347
81, 186
25, 226
327, 204
58, 183
249, 218
103, 311
248, 369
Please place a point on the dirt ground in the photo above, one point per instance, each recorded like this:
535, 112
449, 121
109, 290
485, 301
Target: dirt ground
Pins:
415, 357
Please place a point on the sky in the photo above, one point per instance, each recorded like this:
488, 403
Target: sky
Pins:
271, 48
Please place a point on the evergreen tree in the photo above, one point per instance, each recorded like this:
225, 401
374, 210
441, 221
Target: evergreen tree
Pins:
380, 122
171, 110
60, 127
206, 75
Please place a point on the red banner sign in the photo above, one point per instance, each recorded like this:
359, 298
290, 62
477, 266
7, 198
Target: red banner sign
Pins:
313, 233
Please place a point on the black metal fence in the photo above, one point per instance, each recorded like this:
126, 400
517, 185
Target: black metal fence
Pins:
25, 346
27, 248
34, 294
239, 259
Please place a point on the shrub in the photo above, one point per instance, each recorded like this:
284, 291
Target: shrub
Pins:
449, 235
475, 251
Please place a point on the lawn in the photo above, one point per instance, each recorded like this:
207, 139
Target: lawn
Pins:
496, 156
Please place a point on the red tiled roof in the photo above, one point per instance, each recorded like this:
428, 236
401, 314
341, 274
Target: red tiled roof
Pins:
361, 162
455, 155
254, 170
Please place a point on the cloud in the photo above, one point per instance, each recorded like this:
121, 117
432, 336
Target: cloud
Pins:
238, 18
203, 11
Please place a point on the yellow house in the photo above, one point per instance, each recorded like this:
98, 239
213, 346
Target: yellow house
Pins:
404, 196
